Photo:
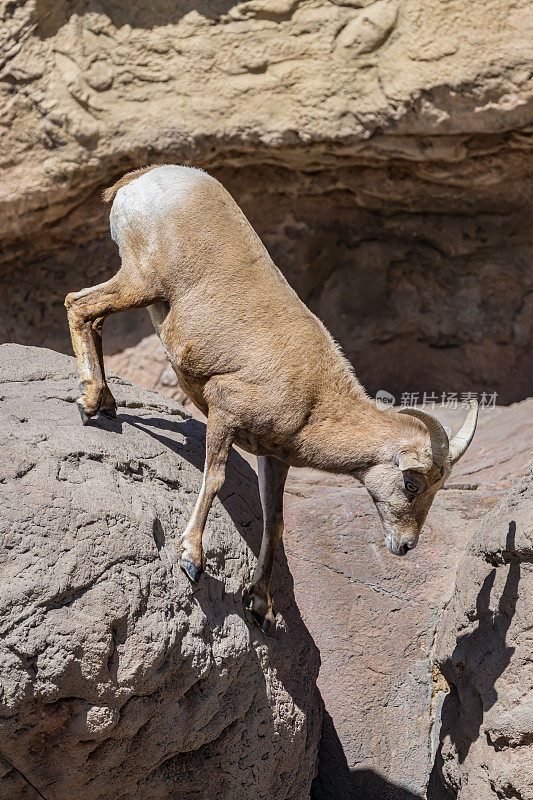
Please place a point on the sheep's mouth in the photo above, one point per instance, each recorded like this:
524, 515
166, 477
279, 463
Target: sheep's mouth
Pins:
400, 549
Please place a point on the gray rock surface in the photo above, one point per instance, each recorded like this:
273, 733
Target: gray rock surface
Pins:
117, 679
374, 616
484, 652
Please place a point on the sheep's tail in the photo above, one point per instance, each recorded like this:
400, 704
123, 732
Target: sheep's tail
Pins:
109, 193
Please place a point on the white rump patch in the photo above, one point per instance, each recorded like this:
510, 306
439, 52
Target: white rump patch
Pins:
151, 196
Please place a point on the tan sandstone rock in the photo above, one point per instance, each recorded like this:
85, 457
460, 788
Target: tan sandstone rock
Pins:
381, 149
117, 679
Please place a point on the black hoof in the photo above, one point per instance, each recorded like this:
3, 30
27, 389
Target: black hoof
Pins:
83, 414
110, 413
191, 570
254, 618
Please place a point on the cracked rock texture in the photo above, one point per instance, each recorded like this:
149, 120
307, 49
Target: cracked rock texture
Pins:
117, 679
380, 147
484, 652
374, 616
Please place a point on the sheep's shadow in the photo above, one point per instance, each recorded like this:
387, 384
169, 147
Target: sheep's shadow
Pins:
482, 655
337, 781
240, 498
245, 512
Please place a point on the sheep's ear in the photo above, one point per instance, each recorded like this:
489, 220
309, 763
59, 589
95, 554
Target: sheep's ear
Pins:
409, 460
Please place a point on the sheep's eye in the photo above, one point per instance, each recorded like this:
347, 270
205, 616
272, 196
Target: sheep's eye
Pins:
411, 488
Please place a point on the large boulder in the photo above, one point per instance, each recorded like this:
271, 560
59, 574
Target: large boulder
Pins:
381, 148
118, 680
374, 616
484, 653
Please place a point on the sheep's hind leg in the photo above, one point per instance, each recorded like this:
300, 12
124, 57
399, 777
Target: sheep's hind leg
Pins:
87, 311
219, 438
257, 599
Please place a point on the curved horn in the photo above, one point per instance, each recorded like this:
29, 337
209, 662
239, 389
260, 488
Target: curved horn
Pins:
461, 441
440, 444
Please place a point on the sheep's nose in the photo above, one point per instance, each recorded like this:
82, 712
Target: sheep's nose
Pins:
404, 548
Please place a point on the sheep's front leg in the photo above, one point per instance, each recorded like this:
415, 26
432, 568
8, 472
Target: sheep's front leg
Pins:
87, 311
258, 601
107, 405
219, 438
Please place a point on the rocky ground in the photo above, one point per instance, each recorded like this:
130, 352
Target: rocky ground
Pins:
117, 680
116, 677
382, 150
375, 616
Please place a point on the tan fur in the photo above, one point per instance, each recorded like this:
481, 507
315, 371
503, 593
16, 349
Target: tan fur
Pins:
255, 360
109, 193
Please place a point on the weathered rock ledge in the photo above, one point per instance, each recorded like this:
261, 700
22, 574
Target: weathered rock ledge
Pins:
381, 148
299, 83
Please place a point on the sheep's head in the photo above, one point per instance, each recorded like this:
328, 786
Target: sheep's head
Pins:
403, 488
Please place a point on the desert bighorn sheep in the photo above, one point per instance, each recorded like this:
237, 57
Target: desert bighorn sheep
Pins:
255, 361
